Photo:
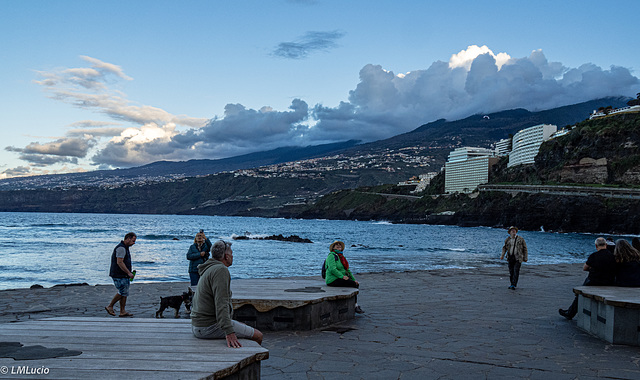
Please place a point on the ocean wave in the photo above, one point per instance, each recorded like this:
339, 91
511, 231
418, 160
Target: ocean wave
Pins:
164, 237
45, 225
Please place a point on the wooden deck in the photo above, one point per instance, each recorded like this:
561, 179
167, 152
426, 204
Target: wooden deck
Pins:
127, 348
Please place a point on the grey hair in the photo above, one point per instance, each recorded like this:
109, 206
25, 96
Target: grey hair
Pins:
219, 248
601, 242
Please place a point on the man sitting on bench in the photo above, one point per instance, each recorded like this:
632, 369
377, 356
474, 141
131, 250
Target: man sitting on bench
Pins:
211, 310
601, 266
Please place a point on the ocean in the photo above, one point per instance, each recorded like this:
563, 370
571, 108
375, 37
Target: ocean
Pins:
49, 249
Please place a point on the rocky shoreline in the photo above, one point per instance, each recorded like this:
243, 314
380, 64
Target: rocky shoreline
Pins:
533, 212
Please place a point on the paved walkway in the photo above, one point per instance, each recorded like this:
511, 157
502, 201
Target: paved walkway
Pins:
442, 324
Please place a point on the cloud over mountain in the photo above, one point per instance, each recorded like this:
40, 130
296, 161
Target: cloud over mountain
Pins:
383, 104
473, 81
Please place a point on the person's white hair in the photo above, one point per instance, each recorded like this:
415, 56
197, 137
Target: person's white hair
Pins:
219, 248
601, 242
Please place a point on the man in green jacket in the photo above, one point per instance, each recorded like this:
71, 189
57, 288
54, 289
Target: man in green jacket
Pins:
211, 309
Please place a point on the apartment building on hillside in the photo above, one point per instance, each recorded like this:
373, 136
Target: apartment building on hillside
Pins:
526, 143
466, 168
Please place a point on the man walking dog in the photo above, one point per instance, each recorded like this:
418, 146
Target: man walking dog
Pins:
120, 272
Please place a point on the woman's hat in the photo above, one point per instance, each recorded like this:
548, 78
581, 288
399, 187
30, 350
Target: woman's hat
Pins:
512, 228
336, 243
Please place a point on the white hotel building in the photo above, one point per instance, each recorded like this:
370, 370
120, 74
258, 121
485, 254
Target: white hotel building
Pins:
526, 143
467, 168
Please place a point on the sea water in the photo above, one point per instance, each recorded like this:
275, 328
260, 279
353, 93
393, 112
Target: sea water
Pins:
50, 249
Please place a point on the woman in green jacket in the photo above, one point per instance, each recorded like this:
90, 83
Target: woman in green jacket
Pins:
337, 270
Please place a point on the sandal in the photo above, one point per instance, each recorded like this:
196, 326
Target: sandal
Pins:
126, 315
111, 312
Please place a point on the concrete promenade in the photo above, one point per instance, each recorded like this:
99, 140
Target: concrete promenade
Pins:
440, 324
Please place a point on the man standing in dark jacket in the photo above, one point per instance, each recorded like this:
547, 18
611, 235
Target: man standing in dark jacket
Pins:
120, 272
516, 252
601, 266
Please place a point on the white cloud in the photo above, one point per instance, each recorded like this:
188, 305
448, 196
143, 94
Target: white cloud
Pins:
474, 81
466, 57
106, 67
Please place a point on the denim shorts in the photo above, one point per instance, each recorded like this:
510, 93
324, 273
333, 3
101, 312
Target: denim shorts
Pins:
215, 332
122, 284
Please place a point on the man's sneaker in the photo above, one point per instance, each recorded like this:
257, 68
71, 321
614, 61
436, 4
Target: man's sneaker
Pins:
359, 310
512, 287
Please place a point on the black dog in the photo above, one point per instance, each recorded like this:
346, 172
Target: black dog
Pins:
175, 302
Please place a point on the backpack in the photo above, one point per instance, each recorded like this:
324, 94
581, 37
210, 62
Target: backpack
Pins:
324, 265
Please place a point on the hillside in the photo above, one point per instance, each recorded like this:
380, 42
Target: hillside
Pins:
435, 140
599, 151
219, 194
170, 170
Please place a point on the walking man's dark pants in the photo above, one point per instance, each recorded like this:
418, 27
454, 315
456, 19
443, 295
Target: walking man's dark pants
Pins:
514, 270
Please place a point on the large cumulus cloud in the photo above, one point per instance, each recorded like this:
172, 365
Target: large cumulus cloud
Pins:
474, 81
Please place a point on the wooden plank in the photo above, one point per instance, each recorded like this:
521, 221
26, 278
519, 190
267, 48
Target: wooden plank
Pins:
113, 328
78, 362
162, 321
158, 341
150, 347
75, 374
144, 348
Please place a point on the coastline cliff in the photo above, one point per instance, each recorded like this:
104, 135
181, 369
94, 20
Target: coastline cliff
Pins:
599, 152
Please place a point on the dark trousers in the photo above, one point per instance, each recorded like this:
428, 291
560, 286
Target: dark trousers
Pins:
514, 270
341, 282
194, 277
573, 309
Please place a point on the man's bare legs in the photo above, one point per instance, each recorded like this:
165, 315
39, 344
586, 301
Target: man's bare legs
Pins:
123, 304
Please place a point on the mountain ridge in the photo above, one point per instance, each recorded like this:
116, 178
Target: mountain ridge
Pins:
438, 137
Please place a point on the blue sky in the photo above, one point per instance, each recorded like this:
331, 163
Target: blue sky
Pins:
89, 85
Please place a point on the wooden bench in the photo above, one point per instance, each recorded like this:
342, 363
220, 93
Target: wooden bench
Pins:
122, 348
609, 312
290, 304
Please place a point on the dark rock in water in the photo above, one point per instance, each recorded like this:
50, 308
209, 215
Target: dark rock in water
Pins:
76, 284
175, 238
280, 237
36, 286
292, 238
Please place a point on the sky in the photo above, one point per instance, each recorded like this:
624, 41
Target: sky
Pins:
87, 85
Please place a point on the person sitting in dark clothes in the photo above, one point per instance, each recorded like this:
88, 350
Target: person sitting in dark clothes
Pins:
627, 264
611, 245
601, 266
